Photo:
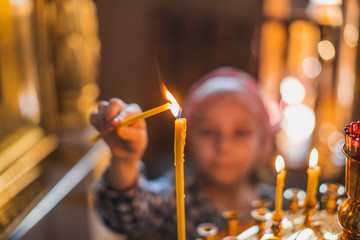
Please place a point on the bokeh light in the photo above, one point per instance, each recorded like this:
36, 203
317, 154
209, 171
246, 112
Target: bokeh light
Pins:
311, 67
292, 90
346, 86
29, 105
326, 50
299, 122
351, 35
327, 2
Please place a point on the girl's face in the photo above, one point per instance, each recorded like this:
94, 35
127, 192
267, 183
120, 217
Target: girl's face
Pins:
224, 139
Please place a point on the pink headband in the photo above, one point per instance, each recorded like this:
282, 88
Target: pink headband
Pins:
230, 81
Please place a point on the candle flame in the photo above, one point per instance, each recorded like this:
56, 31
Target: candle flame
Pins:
174, 107
314, 156
279, 163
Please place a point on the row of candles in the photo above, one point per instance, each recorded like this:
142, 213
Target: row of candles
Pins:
179, 144
313, 172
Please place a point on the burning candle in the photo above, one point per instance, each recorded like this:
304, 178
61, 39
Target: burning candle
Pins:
280, 179
131, 120
313, 180
179, 144
180, 132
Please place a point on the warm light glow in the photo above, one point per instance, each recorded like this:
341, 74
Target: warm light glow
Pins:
311, 67
338, 157
314, 156
346, 86
279, 163
351, 35
292, 90
326, 50
325, 130
326, 2
333, 139
22, 7
175, 107
29, 105
299, 122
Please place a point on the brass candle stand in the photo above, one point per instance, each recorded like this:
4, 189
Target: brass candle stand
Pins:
277, 228
260, 215
349, 211
309, 212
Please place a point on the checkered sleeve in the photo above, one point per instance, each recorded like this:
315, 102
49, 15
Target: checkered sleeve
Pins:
140, 210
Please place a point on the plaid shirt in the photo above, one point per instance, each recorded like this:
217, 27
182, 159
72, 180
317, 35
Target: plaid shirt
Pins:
150, 207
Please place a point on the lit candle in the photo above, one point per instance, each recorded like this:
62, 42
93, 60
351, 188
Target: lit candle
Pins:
133, 119
313, 180
179, 144
280, 179
180, 132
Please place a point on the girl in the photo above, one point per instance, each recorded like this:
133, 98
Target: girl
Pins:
228, 133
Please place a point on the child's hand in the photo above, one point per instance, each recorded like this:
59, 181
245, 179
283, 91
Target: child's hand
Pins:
127, 143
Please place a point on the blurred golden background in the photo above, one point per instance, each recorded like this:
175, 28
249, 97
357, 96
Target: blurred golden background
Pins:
59, 57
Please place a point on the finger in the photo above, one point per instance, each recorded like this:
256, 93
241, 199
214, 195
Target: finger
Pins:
102, 104
129, 111
94, 119
115, 107
102, 108
130, 108
131, 134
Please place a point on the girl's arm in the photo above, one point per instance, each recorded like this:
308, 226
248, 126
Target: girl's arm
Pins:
127, 144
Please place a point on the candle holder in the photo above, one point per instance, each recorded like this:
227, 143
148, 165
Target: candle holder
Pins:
232, 222
331, 193
349, 212
261, 215
295, 197
207, 231
308, 214
277, 228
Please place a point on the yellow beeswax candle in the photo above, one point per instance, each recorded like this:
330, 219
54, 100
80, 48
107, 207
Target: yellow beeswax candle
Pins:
133, 119
280, 179
313, 180
232, 222
180, 133
233, 227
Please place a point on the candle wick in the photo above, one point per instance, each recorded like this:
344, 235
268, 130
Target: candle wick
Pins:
179, 116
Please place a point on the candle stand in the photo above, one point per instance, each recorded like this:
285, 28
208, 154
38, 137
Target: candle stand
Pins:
304, 219
349, 212
277, 228
207, 231
308, 214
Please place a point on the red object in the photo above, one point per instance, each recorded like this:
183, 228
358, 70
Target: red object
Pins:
352, 140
